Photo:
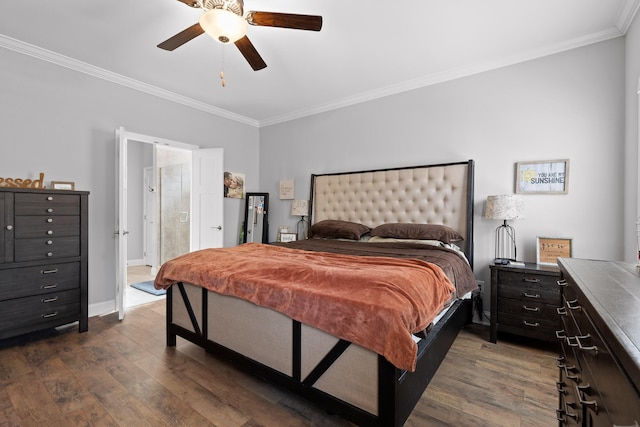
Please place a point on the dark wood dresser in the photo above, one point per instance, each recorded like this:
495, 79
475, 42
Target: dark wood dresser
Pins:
599, 363
43, 260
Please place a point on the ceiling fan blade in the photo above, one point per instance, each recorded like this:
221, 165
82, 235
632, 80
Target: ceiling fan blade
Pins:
192, 3
182, 37
285, 20
250, 53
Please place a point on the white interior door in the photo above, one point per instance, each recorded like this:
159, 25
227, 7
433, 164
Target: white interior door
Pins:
207, 198
121, 220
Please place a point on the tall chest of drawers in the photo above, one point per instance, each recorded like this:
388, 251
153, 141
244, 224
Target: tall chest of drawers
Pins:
43, 260
599, 381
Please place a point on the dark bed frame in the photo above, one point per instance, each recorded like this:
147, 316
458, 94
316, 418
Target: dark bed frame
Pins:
398, 390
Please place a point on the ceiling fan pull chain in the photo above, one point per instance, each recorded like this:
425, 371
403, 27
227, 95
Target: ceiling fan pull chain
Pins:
222, 81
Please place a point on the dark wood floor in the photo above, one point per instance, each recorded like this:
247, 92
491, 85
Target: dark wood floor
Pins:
122, 374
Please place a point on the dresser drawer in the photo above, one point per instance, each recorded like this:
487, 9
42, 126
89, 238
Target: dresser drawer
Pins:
25, 281
54, 308
47, 204
46, 248
42, 226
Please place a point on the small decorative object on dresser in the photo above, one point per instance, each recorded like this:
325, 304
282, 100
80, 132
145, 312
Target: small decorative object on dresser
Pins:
549, 249
43, 260
63, 185
524, 300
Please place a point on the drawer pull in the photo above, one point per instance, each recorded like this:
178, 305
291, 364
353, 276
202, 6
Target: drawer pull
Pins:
49, 254
573, 305
48, 315
49, 210
9, 227
535, 309
53, 270
54, 299
524, 279
49, 242
49, 231
49, 219
574, 378
533, 325
560, 385
531, 295
51, 286
592, 404
50, 198
591, 348
561, 311
562, 283
560, 334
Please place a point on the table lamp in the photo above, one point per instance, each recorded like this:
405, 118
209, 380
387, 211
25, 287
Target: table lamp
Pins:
301, 208
505, 207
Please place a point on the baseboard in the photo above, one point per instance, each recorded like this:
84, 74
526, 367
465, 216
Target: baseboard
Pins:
135, 262
100, 308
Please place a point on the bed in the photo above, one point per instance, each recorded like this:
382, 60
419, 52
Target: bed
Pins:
299, 315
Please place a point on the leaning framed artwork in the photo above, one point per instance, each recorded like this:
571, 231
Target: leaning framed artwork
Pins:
62, 185
542, 177
549, 249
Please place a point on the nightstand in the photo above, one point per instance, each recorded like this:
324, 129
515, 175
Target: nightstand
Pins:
524, 300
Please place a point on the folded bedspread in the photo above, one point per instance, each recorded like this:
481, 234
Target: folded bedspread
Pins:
376, 302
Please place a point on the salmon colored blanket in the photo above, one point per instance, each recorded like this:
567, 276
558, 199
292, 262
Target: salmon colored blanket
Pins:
376, 302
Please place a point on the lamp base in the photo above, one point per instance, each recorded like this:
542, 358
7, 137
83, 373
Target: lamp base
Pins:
505, 243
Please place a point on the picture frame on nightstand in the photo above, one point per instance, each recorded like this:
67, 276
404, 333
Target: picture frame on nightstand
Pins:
549, 249
288, 237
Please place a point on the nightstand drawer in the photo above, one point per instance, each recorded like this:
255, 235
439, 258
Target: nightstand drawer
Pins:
528, 279
532, 309
527, 292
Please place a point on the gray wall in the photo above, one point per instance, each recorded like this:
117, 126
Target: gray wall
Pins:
631, 160
62, 122
569, 105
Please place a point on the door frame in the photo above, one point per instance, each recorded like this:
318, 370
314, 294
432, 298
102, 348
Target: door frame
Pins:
121, 221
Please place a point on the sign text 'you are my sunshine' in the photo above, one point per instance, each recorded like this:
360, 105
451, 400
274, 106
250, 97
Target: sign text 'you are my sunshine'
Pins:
542, 177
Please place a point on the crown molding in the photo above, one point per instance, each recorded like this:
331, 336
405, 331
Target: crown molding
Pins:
73, 64
626, 14
449, 75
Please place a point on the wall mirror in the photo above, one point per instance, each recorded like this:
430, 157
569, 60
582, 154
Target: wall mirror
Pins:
256, 224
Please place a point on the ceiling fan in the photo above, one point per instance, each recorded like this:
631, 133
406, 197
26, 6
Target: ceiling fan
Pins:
225, 21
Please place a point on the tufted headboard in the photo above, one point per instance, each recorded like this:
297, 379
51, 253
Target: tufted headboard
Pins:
431, 194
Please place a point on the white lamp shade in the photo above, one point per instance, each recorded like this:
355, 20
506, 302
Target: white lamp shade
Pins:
300, 208
504, 207
223, 25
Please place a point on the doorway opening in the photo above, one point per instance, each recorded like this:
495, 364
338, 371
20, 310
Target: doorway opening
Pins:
158, 212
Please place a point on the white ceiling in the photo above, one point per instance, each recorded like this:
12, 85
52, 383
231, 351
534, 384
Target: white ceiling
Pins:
366, 49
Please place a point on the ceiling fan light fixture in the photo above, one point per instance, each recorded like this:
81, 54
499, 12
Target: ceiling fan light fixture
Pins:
223, 25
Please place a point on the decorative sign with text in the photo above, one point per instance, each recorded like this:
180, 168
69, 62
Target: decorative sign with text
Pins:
549, 176
23, 183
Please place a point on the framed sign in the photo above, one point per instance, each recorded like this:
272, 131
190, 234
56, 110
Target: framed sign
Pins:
542, 177
288, 237
549, 249
62, 185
